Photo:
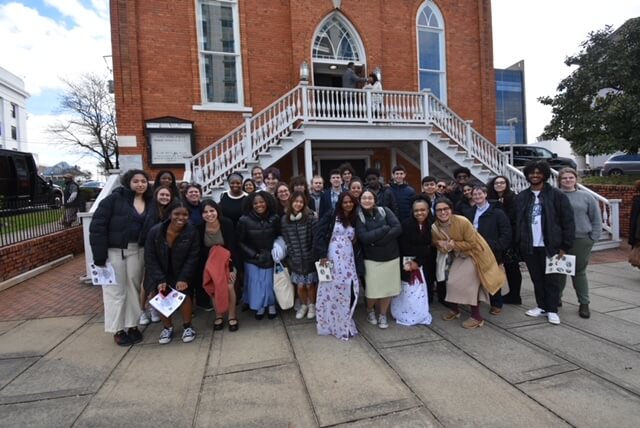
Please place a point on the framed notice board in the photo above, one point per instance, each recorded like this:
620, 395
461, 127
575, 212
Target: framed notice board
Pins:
170, 141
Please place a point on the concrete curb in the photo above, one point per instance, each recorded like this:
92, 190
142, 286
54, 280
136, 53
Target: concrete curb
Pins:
34, 272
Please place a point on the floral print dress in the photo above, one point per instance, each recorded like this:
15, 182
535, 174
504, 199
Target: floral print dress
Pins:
334, 307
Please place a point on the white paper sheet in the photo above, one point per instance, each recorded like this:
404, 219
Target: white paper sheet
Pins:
565, 265
168, 304
324, 272
103, 275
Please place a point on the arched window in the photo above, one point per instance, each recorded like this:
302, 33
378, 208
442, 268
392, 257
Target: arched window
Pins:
336, 40
431, 50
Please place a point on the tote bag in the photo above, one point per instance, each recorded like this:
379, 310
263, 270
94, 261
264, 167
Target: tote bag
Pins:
282, 286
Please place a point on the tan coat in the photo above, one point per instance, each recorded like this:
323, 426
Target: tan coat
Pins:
469, 242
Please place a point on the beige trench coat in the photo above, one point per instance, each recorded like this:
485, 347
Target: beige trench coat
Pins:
469, 242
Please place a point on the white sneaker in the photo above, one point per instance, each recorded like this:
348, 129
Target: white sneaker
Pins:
553, 318
382, 322
188, 335
155, 315
535, 312
302, 311
371, 317
312, 312
166, 335
144, 319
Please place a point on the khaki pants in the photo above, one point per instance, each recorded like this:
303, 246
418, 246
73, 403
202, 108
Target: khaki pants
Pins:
122, 301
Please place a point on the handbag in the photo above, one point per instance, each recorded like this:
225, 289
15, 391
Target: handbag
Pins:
634, 256
282, 286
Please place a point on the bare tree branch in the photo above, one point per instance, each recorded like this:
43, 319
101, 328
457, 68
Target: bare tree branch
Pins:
92, 127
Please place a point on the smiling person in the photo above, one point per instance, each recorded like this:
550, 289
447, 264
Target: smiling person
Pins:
282, 197
356, 187
257, 231
232, 201
221, 263
171, 258
378, 230
297, 231
114, 234
158, 212
271, 179
168, 179
257, 174
473, 273
193, 200
333, 242
545, 227
588, 222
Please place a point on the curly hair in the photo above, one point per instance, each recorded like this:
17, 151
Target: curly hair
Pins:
266, 196
540, 165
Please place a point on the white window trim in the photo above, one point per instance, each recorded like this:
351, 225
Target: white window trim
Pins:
356, 38
441, 41
212, 106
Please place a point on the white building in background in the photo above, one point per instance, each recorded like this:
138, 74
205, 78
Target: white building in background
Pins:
13, 111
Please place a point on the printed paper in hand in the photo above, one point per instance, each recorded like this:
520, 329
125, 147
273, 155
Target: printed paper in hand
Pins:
103, 275
324, 272
168, 304
565, 265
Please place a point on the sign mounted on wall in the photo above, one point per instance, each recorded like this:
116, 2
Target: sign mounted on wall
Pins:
170, 140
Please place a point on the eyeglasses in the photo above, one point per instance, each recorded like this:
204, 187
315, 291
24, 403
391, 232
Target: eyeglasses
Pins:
443, 210
441, 186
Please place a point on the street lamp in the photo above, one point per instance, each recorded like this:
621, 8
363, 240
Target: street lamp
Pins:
512, 136
304, 71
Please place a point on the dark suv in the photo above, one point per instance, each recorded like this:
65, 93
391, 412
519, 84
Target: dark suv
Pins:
20, 184
522, 153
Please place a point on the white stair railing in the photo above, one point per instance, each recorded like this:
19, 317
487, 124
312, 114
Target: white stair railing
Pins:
259, 133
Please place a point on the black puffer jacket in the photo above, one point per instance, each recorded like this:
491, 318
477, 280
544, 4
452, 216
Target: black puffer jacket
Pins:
184, 256
109, 226
495, 228
256, 235
379, 234
558, 225
298, 235
153, 218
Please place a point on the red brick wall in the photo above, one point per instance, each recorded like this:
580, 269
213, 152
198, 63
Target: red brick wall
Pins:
156, 65
24, 256
626, 194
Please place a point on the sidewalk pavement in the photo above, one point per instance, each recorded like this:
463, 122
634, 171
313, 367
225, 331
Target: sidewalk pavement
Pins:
59, 368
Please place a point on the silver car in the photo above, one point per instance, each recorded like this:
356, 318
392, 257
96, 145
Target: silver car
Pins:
621, 165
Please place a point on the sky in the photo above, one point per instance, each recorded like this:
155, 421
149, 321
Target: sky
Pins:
42, 41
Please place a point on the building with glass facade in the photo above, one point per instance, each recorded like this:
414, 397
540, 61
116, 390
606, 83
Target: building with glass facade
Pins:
511, 118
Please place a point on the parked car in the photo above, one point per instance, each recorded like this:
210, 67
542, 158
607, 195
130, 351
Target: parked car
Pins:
621, 165
522, 153
92, 189
20, 184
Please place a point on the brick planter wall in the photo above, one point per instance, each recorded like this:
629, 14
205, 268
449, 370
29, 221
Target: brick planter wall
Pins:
624, 193
24, 256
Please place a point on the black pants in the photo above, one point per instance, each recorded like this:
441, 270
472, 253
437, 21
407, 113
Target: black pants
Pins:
546, 287
514, 278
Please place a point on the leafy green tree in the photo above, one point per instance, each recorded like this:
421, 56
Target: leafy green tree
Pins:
597, 106
91, 124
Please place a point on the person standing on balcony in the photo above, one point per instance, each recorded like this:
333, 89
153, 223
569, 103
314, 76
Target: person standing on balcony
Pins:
114, 234
72, 200
588, 221
462, 176
384, 195
376, 96
403, 192
330, 196
545, 227
350, 79
257, 173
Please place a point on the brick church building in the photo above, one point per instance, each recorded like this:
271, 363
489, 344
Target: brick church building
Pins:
219, 85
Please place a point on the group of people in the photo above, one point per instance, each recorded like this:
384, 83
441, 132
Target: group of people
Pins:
462, 242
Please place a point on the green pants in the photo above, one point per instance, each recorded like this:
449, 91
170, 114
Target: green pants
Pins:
582, 250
